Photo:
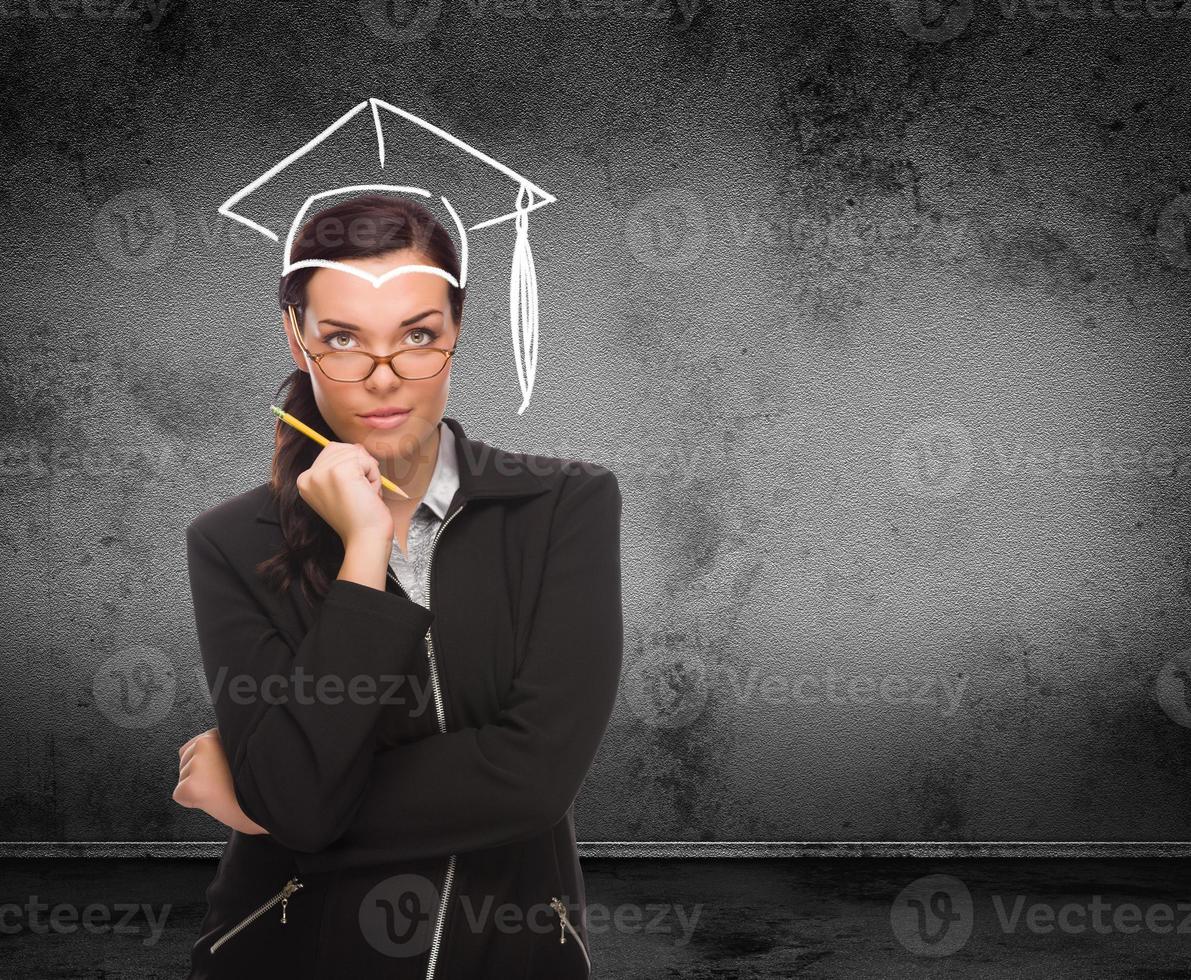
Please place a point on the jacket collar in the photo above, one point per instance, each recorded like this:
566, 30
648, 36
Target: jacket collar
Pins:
485, 471
444, 481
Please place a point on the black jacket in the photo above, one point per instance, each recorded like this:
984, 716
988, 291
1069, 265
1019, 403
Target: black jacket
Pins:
416, 829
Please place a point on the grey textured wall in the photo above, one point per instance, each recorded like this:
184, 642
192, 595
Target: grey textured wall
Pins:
881, 321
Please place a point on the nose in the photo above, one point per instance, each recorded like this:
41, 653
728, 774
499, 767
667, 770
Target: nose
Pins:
383, 375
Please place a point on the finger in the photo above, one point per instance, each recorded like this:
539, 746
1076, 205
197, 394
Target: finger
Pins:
371, 468
327, 458
331, 452
192, 749
354, 465
198, 736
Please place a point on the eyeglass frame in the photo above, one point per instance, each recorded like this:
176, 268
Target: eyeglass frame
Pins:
376, 358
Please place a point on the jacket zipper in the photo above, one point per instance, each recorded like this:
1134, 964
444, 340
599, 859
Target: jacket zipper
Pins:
282, 896
440, 711
564, 926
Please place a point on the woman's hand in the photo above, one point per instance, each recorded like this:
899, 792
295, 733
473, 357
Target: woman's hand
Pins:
343, 487
205, 783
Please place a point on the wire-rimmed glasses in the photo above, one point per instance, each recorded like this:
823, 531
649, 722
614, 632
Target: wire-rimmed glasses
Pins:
410, 364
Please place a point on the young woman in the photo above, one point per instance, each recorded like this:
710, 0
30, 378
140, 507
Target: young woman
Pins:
408, 692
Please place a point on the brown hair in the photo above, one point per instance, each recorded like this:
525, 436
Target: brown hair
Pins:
362, 227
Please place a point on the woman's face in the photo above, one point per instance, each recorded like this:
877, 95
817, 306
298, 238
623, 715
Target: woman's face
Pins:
345, 312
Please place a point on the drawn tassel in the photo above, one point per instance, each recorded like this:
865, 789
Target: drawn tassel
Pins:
523, 302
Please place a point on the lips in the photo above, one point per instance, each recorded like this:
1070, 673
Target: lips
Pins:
384, 413
384, 418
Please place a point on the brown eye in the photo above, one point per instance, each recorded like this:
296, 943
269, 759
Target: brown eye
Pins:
328, 340
428, 334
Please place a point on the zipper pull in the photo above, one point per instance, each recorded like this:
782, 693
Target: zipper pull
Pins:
562, 919
291, 886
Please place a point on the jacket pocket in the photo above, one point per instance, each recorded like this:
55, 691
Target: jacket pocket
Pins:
565, 927
281, 897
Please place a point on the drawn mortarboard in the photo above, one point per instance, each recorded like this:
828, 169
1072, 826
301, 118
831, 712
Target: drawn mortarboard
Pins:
393, 150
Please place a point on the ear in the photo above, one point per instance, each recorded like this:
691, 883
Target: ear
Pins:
294, 349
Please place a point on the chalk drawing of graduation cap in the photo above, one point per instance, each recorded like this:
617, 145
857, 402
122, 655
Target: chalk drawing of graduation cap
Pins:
404, 154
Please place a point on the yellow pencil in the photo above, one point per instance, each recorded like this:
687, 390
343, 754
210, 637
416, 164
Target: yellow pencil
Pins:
323, 441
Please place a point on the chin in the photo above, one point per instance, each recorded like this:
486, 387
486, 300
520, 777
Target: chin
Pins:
401, 443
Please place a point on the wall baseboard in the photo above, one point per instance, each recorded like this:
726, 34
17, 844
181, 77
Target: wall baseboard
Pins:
685, 850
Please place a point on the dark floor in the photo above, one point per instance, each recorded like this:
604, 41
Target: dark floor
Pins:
844, 917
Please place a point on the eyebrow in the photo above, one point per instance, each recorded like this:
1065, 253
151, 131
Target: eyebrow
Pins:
404, 323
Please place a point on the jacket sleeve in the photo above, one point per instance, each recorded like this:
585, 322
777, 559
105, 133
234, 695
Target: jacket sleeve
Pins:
294, 729
517, 776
